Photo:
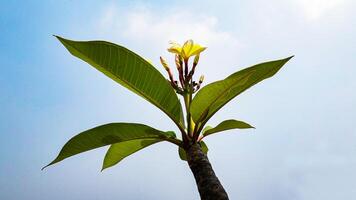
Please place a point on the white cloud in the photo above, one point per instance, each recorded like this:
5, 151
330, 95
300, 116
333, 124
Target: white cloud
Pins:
176, 26
108, 17
315, 9
151, 32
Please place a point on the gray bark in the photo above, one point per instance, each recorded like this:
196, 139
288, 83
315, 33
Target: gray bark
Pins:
208, 184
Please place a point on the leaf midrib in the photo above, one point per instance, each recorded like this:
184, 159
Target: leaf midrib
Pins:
218, 96
254, 82
123, 80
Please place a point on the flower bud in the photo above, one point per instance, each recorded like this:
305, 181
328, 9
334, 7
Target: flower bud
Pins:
196, 60
164, 63
179, 61
201, 79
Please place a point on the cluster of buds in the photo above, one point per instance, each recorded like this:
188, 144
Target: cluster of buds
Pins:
182, 55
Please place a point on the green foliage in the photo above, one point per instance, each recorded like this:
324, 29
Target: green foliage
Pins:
214, 96
136, 74
226, 125
131, 71
121, 150
110, 134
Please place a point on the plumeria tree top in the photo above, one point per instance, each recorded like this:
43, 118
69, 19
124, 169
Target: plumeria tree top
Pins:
136, 74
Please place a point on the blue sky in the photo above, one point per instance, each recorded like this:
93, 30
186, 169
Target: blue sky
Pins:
304, 145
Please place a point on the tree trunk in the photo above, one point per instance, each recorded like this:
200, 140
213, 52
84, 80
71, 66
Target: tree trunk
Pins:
208, 184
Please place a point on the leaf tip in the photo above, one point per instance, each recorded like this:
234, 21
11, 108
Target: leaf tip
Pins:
290, 57
45, 167
104, 167
61, 39
51, 163
56, 36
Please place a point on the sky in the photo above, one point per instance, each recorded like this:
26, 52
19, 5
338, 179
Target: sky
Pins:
304, 144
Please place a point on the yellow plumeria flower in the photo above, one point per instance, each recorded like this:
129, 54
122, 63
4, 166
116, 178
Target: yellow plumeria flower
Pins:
187, 50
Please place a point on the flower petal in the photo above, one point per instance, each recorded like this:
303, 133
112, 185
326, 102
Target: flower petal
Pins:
187, 47
175, 48
197, 49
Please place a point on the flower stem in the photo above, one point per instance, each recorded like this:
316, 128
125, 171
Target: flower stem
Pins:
187, 101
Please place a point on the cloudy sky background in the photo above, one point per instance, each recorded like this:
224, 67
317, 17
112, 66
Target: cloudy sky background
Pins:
304, 146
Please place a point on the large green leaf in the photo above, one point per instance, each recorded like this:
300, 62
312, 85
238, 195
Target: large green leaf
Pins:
215, 95
183, 155
110, 134
121, 150
131, 71
226, 125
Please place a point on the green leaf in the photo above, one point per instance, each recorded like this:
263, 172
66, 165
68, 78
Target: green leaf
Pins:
207, 128
110, 134
121, 150
215, 95
131, 71
182, 153
226, 125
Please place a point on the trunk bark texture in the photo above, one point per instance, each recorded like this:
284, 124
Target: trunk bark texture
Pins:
208, 184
